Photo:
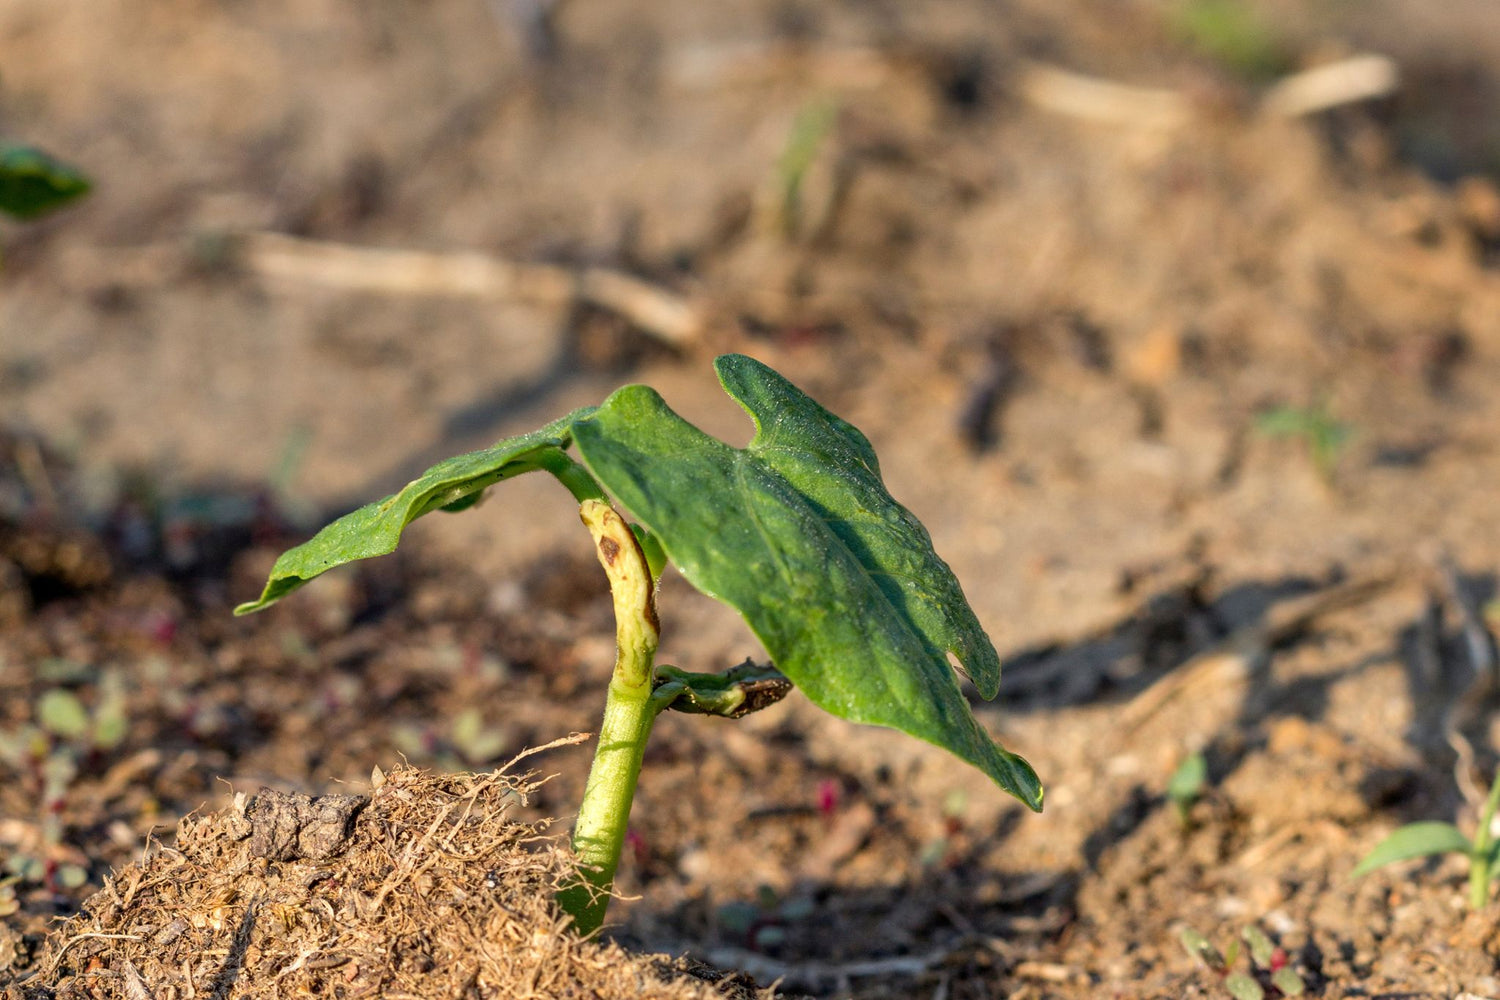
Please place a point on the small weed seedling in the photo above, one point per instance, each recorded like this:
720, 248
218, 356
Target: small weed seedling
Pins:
810, 132
1321, 434
1233, 34
796, 531
1419, 840
46, 755
1270, 968
1185, 786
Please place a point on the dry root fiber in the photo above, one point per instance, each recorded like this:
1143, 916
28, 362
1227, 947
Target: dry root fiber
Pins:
422, 889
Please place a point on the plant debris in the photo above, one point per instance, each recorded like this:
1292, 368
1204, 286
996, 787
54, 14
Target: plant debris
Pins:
423, 888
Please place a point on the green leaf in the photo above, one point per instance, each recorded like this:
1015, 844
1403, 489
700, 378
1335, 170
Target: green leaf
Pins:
71, 876
1288, 982
1202, 949
1232, 32
799, 534
1261, 947
375, 529
32, 183
60, 712
1414, 840
1186, 783
1242, 987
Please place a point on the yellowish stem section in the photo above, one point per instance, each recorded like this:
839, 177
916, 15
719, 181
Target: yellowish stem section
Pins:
599, 834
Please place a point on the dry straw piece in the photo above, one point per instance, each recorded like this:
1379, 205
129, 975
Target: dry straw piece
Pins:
422, 889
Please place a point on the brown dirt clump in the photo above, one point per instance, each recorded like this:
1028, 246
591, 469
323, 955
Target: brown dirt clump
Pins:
425, 887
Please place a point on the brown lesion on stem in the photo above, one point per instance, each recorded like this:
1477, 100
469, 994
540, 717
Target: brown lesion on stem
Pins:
637, 627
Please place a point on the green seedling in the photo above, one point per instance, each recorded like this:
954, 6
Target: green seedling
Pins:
1323, 436
467, 740
1420, 840
46, 755
1233, 34
1271, 973
33, 183
1186, 786
796, 531
810, 132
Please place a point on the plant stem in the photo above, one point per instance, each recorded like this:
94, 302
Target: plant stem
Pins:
579, 481
629, 711
1482, 860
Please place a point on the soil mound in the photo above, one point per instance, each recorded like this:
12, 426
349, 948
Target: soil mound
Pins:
425, 887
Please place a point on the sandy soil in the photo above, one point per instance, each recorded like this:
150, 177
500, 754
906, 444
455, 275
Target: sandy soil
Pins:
1063, 321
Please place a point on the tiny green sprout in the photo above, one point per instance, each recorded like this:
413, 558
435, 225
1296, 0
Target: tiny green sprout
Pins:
1232, 33
1270, 966
466, 740
60, 712
796, 531
810, 131
1419, 840
47, 753
1321, 434
63, 715
1186, 786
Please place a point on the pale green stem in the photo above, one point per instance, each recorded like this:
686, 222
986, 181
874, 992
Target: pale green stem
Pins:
1480, 864
599, 834
575, 477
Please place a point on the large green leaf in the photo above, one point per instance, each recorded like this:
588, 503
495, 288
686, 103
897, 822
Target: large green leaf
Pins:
798, 533
1414, 840
31, 182
375, 529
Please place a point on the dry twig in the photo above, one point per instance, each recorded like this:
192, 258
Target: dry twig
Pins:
1332, 85
1322, 88
1096, 99
656, 311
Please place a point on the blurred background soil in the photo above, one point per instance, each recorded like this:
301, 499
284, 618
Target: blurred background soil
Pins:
1162, 350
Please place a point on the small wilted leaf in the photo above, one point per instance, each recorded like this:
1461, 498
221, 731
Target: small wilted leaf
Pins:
1415, 840
60, 712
